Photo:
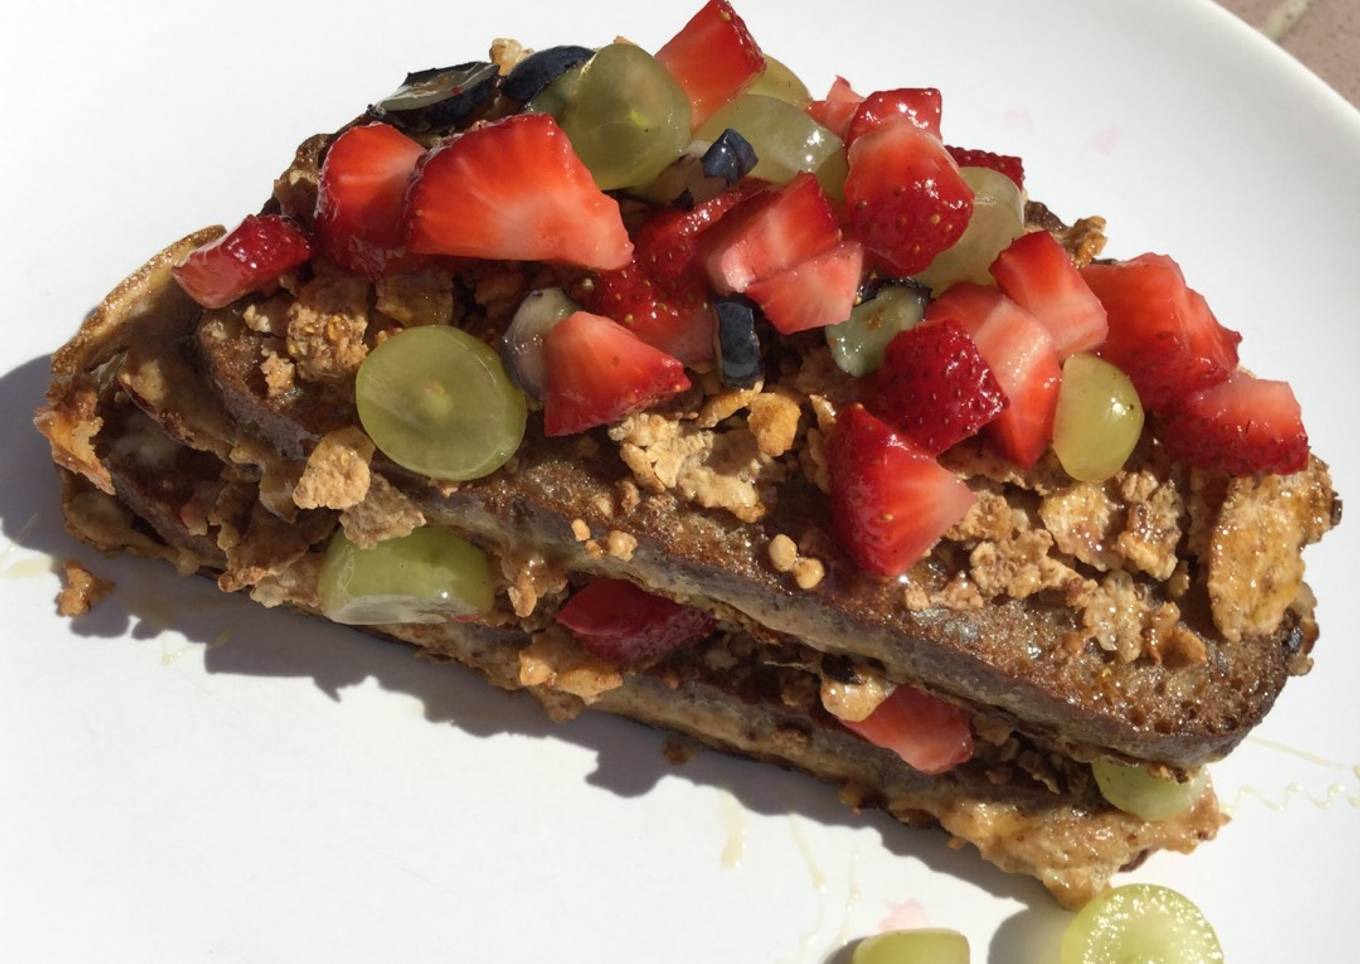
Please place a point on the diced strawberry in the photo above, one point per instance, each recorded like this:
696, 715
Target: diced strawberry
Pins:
929, 734
680, 324
906, 199
838, 109
967, 303
1006, 164
934, 386
890, 500
667, 243
1242, 426
249, 257
598, 371
712, 58
361, 197
768, 233
819, 292
920, 105
1036, 273
617, 621
1020, 352
1162, 334
514, 190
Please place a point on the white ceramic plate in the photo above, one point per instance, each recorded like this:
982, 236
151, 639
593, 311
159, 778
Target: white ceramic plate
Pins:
184, 777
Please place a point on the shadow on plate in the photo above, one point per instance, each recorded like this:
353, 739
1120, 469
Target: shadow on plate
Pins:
242, 638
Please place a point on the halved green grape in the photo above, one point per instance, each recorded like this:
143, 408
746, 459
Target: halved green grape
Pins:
998, 219
625, 114
430, 576
786, 140
780, 82
857, 345
437, 401
1134, 790
1140, 924
554, 98
1099, 419
929, 945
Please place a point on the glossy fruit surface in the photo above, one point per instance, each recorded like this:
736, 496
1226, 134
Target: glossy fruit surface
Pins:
514, 190
768, 233
245, 259
890, 500
429, 576
1037, 273
1009, 165
1099, 419
615, 619
998, 219
598, 372
786, 140
627, 117
837, 109
1243, 426
441, 99
1134, 790
1140, 924
929, 734
438, 401
920, 105
814, 293
780, 82
857, 345
713, 57
929, 945
522, 343
535, 72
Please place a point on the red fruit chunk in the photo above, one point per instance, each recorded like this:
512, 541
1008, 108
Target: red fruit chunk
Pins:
1006, 164
819, 292
967, 303
678, 324
838, 109
361, 197
929, 734
1020, 352
934, 387
1036, 273
906, 199
252, 255
617, 621
1162, 334
768, 233
920, 105
1242, 426
667, 243
598, 371
514, 190
890, 500
712, 58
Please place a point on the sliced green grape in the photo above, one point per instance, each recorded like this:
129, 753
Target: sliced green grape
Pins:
554, 98
1140, 924
430, 576
1099, 419
786, 140
437, 401
1134, 790
625, 114
998, 219
857, 345
780, 82
930, 945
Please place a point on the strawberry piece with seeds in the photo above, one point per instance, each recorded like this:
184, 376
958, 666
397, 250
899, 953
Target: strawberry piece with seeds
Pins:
514, 190
768, 233
819, 292
1012, 167
361, 198
249, 257
906, 199
932, 736
1036, 273
1162, 333
678, 324
920, 105
617, 621
597, 371
890, 500
838, 109
1242, 426
712, 58
934, 386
